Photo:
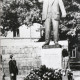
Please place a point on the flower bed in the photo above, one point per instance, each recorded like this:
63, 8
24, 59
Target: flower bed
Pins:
44, 73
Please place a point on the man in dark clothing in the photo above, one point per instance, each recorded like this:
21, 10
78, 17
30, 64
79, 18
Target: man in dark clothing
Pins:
13, 68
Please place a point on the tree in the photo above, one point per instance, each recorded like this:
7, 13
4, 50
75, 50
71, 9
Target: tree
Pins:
68, 26
18, 13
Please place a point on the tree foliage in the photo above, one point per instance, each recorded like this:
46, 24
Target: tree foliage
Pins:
18, 13
68, 26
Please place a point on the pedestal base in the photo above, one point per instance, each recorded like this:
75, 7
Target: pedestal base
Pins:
52, 58
51, 46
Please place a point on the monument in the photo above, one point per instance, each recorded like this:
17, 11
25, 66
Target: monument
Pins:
51, 13
52, 54
52, 57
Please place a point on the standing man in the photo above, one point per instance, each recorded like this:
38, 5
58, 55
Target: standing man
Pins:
51, 13
13, 68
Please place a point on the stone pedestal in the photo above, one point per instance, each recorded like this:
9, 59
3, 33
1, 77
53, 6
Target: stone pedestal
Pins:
52, 58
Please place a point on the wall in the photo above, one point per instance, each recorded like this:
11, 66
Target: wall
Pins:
25, 52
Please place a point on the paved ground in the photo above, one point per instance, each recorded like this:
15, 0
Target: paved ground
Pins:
76, 76
19, 77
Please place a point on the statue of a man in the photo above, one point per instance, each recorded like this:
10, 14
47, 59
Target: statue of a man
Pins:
51, 13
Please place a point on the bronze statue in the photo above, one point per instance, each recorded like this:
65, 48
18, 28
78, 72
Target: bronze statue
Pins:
51, 13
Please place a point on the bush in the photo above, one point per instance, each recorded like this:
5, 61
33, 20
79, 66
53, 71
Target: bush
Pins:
44, 73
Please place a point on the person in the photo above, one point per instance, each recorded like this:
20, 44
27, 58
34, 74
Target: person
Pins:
65, 60
51, 13
13, 68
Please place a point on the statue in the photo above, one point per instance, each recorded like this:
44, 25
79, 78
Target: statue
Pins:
51, 13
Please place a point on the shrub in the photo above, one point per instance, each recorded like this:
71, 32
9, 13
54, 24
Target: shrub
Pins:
44, 73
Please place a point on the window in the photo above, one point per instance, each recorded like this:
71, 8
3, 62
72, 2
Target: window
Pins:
73, 53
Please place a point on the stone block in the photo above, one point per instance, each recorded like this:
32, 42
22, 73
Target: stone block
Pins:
52, 58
